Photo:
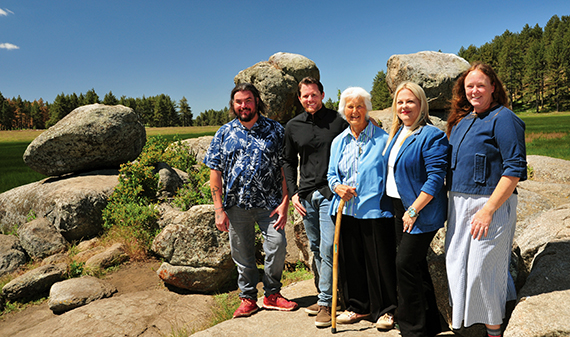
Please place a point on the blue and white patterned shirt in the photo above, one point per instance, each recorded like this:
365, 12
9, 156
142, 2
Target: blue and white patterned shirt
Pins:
250, 162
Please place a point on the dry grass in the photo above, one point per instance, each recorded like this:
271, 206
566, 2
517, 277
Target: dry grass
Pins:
529, 137
14, 136
17, 136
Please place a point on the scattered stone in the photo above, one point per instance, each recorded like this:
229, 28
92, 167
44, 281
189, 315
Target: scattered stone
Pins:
548, 169
143, 313
87, 244
91, 137
57, 258
549, 226
169, 181
73, 293
542, 315
197, 279
35, 282
40, 238
112, 256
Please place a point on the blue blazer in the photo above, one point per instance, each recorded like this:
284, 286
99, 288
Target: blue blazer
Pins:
421, 165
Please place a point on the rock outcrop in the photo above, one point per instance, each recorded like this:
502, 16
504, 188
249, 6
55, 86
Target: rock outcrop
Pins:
89, 138
277, 80
435, 72
72, 204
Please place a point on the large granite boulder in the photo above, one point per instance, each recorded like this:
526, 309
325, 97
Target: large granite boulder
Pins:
197, 255
73, 204
277, 80
435, 72
91, 137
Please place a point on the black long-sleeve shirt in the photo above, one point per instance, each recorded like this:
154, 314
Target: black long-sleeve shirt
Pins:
308, 137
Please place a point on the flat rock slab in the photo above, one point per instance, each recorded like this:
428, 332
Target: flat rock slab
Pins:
152, 313
297, 323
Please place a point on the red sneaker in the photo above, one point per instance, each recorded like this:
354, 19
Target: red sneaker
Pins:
278, 302
246, 308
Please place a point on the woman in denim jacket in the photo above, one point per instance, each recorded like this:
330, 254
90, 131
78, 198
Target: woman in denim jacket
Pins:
488, 159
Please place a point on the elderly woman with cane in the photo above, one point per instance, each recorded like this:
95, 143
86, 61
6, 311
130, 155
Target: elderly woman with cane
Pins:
356, 175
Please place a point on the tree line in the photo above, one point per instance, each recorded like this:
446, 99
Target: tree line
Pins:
533, 64
154, 111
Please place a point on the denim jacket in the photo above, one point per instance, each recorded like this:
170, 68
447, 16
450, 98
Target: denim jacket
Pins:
485, 147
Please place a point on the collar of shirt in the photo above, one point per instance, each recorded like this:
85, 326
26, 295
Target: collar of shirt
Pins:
317, 115
364, 135
235, 123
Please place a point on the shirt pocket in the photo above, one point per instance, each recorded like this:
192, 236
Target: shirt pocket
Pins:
480, 168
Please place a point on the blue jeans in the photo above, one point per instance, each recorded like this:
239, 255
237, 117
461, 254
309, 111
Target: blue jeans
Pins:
242, 244
320, 231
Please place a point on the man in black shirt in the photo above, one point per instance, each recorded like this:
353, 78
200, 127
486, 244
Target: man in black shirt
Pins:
308, 137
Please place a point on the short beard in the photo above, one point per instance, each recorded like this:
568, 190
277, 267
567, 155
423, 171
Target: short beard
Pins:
247, 117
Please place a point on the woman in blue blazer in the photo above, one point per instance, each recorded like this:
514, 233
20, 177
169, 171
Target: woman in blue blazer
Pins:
416, 157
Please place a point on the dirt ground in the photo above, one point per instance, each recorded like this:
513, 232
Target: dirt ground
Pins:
130, 277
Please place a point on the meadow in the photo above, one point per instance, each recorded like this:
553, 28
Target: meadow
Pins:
14, 172
547, 134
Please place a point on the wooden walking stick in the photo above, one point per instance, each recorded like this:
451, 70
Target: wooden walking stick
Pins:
335, 265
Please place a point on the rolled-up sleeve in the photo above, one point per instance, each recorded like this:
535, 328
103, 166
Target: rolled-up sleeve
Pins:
511, 142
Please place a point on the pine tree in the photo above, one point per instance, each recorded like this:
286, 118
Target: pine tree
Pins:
90, 97
381, 98
534, 72
110, 99
185, 112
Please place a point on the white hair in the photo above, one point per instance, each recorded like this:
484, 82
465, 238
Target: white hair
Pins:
354, 92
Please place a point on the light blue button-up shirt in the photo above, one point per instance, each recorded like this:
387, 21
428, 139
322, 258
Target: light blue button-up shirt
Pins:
359, 163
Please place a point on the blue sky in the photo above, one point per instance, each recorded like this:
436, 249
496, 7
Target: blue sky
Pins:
195, 48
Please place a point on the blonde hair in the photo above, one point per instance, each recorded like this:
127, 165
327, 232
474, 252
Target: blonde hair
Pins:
421, 120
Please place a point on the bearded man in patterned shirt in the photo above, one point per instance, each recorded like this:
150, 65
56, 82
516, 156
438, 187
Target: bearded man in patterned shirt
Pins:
248, 187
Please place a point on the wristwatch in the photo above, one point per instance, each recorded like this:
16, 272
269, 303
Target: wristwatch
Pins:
412, 212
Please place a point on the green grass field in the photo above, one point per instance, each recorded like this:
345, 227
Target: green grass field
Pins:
14, 172
547, 134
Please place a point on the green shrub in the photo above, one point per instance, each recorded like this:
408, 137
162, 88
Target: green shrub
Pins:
197, 191
132, 206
